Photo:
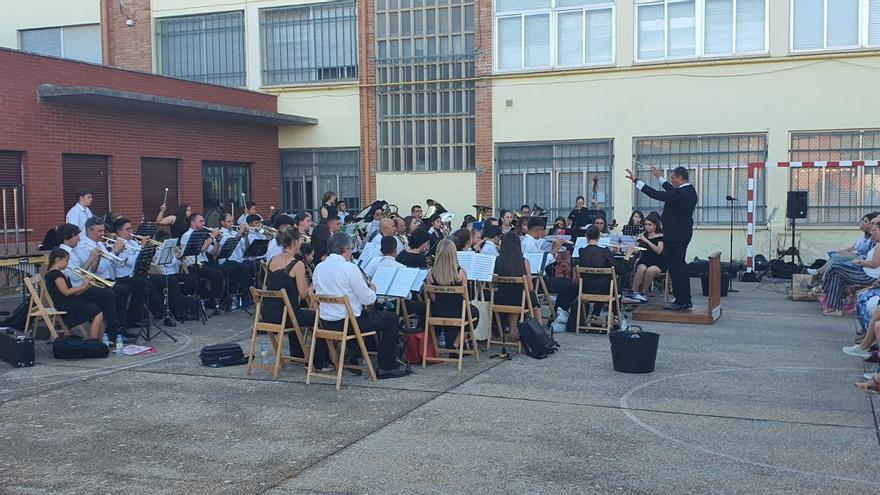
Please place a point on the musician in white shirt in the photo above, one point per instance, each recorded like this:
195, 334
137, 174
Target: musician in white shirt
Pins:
81, 212
566, 291
387, 229
208, 275
138, 284
338, 276
104, 298
250, 209
491, 240
169, 277
237, 282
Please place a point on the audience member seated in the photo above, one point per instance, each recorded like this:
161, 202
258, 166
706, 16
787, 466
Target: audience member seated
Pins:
859, 249
69, 298
651, 262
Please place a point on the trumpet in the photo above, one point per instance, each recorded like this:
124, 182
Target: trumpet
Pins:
150, 240
269, 231
110, 256
94, 280
111, 241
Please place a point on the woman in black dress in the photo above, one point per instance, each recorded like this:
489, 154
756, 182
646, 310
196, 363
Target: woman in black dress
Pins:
447, 273
651, 262
288, 273
320, 236
68, 298
328, 206
511, 263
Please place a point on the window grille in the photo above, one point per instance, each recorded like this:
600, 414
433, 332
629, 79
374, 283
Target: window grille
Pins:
206, 48
307, 174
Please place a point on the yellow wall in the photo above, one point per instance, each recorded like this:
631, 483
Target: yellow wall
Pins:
456, 191
34, 14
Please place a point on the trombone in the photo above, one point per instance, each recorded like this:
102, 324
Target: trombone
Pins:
94, 280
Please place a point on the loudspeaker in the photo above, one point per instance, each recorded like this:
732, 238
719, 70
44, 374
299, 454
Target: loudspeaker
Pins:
796, 206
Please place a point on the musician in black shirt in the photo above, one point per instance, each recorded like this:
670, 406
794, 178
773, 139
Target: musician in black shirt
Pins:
414, 257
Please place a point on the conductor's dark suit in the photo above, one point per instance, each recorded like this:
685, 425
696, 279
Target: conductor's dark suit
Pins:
678, 227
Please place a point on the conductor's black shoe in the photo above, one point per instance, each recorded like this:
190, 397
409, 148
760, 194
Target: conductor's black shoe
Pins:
398, 373
677, 306
168, 322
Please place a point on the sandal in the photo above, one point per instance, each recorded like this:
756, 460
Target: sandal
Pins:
873, 384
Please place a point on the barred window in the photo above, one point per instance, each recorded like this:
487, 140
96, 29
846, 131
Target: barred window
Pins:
837, 195
224, 182
206, 48
309, 43
718, 167
552, 174
307, 174
425, 125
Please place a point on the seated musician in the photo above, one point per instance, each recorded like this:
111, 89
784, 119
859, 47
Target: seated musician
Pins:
435, 233
338, 276
387, 229
468, 222
376, 213
511, 263
80, 212
103, 298
250, 208
320, 236
651, 262
461, 239
476, 240
560, 226
210, 277
342, 211
281, 222
566, 291
601, 223
288, 273
334, 224
138, 284
71, 299
522, 226
91, 243
412, 224
636, 220
388, 250
304, 223
414, 256
525, 211
506, 221
238, 274
491, 239
447, 273
167, 277
594, 256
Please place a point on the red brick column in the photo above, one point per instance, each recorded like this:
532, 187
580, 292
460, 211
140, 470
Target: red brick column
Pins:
483, 111
367, 66
128, 47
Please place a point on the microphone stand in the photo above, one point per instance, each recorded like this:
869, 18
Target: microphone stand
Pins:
731, 200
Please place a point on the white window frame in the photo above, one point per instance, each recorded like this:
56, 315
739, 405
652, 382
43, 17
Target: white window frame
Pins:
552, 12
61, 30
699, 33
863, 35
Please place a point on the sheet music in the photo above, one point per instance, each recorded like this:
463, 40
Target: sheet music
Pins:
466, 261
165, 255
419, 281
383, 278
370, 251
581, 242
484, 267
605, 242
536, 261
546, 245
403, 282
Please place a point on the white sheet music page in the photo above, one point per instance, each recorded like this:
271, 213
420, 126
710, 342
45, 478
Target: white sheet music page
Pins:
403, 282
419, 281
581, 242
484, 267
536, 261
383, 278
466, 262
370, 251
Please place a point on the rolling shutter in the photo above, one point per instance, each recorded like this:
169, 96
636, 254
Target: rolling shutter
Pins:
10, 177
156, 175
89, 172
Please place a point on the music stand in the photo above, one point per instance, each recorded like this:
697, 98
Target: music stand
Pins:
142, 267
632, 230
147, 230
226, 250
166, 257
256, 249
194, 248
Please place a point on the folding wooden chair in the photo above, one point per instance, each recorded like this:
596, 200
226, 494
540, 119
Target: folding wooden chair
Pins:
543, 294
612, 298
666, 281
40, 310
275, 331
350, 331
464, 322
524, 310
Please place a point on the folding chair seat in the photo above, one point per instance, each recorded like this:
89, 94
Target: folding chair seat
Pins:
612, 299
464, 322
523, 310
42, 309
275, 331
350, 331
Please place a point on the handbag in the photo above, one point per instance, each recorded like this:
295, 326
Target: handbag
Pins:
481, 331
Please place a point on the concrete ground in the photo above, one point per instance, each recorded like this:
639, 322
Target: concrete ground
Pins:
761, 402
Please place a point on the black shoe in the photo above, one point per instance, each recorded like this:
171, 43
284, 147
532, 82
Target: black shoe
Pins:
398, 373
677, 306
169, 322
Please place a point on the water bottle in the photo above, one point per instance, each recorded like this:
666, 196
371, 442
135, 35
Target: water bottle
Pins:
441, 342
264, 352
106, 339
120, 344
624, 324
364, 368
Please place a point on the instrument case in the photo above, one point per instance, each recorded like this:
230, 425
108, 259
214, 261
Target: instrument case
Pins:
15, 348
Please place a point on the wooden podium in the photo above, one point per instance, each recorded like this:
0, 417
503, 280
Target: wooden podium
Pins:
655, 312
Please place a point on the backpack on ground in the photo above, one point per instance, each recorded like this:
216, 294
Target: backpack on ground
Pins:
535, 339
220, 355
18, 317
76, 347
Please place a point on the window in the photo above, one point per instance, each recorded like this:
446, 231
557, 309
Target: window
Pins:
837, 195
425, 98
11, 184
224, 182
553, 174
205, 48
671, 29
718, 167
540, 34
86, 172
307, 174
309, 44
158, 179
834, 24
74, 42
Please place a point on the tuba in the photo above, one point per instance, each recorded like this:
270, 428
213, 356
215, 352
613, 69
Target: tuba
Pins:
94, 280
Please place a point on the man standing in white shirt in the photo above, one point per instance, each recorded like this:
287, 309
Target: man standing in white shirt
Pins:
80, 212
338, 276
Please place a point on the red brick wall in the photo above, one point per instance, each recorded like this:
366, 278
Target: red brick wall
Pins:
130, 47
45, 130
483, 110
369, 135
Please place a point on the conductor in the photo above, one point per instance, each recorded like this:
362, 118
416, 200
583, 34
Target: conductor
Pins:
679, 200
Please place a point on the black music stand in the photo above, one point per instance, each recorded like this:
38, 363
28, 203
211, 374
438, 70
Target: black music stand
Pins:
166, 257
633, 230
142, 268
226, 250
255, 250
147, 230
194, 248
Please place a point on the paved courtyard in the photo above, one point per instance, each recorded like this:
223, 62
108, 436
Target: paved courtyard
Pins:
761, 402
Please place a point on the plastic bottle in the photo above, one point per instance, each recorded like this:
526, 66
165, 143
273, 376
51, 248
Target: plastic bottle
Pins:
441, 341
120, 344
624, 323
264, 352
106, 339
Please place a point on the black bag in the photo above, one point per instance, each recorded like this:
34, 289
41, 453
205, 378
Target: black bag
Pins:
535, 339
220, 355
18, 317
75, 347
16, 349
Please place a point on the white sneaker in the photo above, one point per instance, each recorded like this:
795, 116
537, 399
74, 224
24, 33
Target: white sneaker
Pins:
561, 315
870, 375
812, 271
640, 297
855, 350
